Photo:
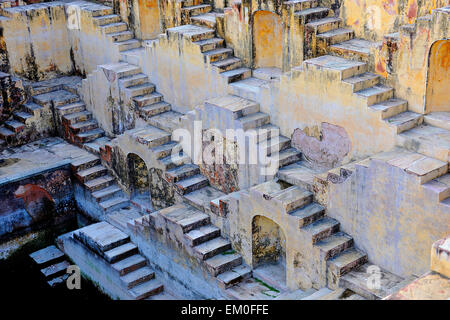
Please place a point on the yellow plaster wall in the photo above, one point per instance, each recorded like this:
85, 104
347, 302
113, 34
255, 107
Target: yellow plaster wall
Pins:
372, 19
267, 40
437, 98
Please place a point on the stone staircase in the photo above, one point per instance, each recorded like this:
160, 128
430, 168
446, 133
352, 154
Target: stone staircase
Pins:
202, 240
115, 248
102, 187
52, 263
336, 248
329, 45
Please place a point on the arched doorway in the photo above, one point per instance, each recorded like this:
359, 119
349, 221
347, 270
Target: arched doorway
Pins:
268, 251
138, 177
267, 40
438, 77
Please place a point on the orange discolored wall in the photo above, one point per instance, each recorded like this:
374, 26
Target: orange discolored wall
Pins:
372, 19
438, 77
267, 40
149, 19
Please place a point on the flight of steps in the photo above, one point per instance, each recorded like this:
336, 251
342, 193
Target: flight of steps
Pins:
102, 187
338, 49
335, 247
14, 126
112, 26
116, 249
203, 241
52, 263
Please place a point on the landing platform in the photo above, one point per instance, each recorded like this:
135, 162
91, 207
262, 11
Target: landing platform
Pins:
36, 157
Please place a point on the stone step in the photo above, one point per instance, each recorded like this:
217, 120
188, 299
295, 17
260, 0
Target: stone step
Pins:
47, 256
201, 199
189, 3
212, 247
322, 228
352, 49
91, 173
358, 278
237, 74
202, 234
390, 108
6, 134
84, 126
253, 120
133, 80
429, 140
217, 54
71, 108
55, 270
307, 15
440, 186
88, 136
275, 144
438, 119
114, 27
362, 81
326, 39
128, 44
99, 183
76, 117
151, 136
191, 32
106, 193
106, 19
196, 10
287, 156
293, 198
334, 244
130, 264
425, 168
308, 214
121, 252
148, 99
14, 126
210, 44
124, 69
22, 116
165, 150
96, 145
101, 237
58, 280
121, 36
376, 94
34, 108
115, 203
266, 131
344, 67
298, 5
223, 262
182, 172
146, 289
85, 162
171, 162
324, 25
167, 121
141, 89
99, 10
191, 184
227, 64
137, 277
345, 262
207, 20
186, 217
239, 107
155, 109
405, 121
234, 276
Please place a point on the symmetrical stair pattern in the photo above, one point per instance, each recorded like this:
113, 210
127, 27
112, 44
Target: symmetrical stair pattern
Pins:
103, 188
52, 263
115, 248
204, 241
